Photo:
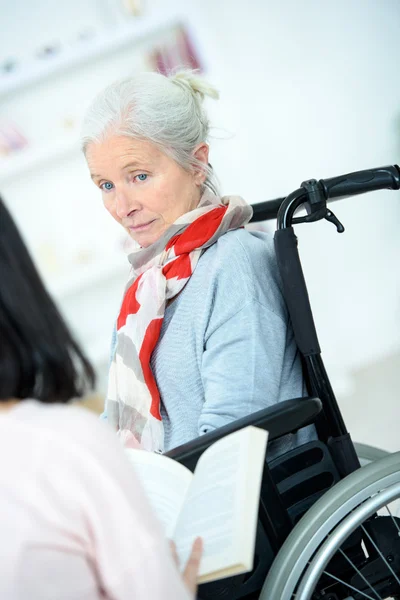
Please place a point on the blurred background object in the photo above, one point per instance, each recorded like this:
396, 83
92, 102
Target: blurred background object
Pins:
307, 90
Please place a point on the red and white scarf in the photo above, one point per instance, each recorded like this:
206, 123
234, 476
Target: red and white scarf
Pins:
158, 274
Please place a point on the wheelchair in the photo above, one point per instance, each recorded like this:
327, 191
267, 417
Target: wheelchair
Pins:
327, 529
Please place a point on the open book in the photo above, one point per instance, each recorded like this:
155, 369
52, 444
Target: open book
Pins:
219, 502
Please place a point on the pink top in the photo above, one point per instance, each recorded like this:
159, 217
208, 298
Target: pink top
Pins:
74, 522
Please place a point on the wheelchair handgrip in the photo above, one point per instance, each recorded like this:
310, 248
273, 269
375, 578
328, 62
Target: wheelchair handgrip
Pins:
360, 182
263, 211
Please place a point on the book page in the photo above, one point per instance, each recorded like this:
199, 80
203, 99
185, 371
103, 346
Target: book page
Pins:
165, 482
222, 503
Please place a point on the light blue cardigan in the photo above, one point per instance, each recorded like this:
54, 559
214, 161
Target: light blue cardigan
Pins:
226, 347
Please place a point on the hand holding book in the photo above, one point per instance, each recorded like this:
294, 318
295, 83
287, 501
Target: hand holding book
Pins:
218, 502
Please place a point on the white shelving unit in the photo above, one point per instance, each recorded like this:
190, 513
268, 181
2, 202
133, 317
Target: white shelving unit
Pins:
69, 288
85, 52
27, 159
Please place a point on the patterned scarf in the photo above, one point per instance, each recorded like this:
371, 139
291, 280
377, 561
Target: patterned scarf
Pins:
159, 273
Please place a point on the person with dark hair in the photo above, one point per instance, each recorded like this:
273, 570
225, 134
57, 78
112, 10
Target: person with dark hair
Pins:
74, 521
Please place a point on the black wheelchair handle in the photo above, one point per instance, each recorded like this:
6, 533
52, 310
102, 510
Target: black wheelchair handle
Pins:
360, 182
334, 188
264, 211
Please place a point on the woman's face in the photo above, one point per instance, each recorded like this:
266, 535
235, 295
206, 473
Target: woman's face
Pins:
142, 188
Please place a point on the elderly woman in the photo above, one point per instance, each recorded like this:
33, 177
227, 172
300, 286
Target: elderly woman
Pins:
202, 337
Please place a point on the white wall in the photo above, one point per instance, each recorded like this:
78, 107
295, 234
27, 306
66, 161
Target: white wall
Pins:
308, 89
311, 89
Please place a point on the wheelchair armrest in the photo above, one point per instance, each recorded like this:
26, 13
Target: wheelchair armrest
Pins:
279, 420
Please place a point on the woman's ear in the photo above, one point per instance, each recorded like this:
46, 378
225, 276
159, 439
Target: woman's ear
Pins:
200, 153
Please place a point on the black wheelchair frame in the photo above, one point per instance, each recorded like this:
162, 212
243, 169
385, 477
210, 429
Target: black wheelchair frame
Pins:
293, 482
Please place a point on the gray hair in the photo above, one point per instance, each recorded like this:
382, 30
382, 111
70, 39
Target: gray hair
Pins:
165, 110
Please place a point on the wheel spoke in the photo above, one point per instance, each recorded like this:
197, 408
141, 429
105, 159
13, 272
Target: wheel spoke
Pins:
393, 519
350, 586
380, 554
360, 574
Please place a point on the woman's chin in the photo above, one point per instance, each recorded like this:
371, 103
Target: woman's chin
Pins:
146, 239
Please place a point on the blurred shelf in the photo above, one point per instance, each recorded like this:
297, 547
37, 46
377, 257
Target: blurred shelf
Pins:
89, 275
86, 51
27, 159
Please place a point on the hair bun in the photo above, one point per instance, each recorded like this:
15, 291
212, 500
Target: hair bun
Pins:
196, 84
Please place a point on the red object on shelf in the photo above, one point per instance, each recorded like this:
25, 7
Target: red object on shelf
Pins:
177, 52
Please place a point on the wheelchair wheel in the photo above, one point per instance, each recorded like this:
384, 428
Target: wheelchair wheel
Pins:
347, 546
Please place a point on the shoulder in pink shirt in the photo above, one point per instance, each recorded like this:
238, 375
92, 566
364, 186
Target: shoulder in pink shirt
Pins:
74, 521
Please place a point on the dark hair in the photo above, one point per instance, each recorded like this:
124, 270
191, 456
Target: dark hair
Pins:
38, 356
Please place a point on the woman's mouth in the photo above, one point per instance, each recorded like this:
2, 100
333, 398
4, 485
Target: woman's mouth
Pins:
141, 226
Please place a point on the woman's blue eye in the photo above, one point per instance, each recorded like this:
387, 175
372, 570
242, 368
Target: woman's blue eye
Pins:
107, 186
142, 176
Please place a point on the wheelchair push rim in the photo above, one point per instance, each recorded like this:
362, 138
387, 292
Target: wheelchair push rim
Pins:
320, 533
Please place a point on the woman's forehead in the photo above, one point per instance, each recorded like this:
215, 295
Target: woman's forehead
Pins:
122, 152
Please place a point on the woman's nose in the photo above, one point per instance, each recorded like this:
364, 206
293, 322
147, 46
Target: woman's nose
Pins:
124, 204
